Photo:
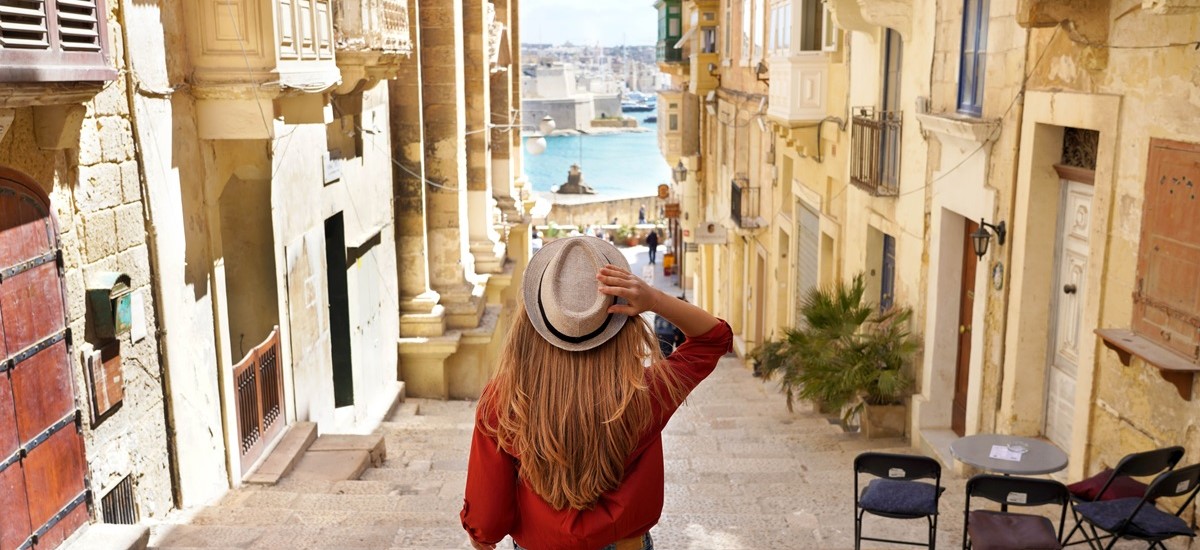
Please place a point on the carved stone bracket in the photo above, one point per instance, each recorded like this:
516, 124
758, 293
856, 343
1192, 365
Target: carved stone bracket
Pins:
363, 69
6, 120
1170, 7
868, 15
977, 130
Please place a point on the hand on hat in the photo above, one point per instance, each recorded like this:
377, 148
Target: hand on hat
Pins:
618, 282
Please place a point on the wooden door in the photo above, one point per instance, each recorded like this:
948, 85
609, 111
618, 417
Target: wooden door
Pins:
1066, 315
966, 312
43, 491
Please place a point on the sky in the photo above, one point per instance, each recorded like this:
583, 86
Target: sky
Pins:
607, 22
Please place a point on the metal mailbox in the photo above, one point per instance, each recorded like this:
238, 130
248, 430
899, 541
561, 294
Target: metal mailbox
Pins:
108, 295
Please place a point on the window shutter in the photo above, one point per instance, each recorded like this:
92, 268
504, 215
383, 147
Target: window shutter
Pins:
78, 25
23, 25
54, 41
1166, 297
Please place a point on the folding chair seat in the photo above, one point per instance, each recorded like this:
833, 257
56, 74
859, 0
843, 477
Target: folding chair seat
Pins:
894, 492
1003, 530
1139, 518
1118, 483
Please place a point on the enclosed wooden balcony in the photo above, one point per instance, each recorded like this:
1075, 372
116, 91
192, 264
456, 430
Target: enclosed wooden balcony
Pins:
249, 54
670, 30
678, 124
798, 88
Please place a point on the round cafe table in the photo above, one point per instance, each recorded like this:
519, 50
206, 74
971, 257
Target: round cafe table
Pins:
1041, 457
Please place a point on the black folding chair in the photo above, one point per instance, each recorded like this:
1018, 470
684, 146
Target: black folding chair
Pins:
991, 530
1139, 518
894, 493
1118, 482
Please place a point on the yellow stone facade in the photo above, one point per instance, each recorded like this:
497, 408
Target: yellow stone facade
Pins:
783, 122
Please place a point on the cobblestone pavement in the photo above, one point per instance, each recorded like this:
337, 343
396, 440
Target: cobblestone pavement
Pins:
742, 473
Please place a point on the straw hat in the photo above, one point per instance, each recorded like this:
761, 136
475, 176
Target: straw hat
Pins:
562, 296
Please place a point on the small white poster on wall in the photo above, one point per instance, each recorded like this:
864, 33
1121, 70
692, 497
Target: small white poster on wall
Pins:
137, 306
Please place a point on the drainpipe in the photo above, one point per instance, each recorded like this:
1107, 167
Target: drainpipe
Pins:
160, 333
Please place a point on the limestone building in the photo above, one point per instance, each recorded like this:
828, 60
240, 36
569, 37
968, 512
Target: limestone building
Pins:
823, 146
240, 216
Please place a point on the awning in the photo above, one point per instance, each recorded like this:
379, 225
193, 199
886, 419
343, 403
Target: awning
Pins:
683, 39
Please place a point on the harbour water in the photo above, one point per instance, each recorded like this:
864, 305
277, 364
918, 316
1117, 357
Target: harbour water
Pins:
615, 165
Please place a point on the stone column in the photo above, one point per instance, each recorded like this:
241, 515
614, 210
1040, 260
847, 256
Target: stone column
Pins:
514, 98
485, 246
420, 313
442, 68
500, 90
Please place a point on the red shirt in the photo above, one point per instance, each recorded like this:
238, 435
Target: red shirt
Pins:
498, 504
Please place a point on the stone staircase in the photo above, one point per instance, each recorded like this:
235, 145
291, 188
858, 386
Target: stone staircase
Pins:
407, 494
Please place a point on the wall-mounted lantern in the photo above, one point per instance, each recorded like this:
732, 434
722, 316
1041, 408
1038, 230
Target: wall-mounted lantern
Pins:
981, 237
680, 171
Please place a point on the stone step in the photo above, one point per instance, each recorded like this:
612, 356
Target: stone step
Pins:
406, 409
107, 536
285, 455
338, 457
372, 444
287, 536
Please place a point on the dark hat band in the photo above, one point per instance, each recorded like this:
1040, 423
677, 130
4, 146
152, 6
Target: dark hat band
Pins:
564, 337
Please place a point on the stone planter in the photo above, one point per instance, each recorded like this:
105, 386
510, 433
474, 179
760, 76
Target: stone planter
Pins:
882, 421
823, 408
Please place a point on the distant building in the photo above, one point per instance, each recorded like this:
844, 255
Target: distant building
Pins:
573, 98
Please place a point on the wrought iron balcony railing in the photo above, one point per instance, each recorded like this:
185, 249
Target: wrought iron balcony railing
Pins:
875, 151
743, 203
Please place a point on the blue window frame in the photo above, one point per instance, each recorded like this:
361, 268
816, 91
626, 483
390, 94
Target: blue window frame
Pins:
974, 53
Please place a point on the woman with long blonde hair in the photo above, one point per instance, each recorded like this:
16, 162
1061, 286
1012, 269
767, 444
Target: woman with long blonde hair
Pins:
567, 448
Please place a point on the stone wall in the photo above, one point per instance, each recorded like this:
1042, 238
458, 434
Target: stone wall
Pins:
95, 192
614, 123
583, 212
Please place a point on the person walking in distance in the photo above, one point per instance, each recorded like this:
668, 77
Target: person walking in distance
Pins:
652, 244
567, 447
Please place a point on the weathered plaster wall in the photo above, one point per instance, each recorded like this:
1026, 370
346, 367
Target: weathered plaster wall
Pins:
175, 179
1133, 409
363, 196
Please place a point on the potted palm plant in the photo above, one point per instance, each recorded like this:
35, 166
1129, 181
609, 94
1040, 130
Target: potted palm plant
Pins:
849, 356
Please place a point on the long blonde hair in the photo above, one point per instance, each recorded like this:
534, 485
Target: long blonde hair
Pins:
572, 418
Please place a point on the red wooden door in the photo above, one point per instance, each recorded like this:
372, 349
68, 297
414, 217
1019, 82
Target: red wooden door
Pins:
43, 491
966, 312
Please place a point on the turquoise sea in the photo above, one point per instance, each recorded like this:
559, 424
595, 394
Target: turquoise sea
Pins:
627, 164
